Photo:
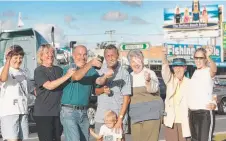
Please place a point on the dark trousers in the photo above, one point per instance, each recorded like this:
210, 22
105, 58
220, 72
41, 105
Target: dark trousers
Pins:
49, 128
202, 123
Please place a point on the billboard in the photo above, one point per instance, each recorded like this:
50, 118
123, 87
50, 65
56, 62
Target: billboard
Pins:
195, 16
224, 39
187, 51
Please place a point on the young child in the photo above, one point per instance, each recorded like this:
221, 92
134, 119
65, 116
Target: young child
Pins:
107, 133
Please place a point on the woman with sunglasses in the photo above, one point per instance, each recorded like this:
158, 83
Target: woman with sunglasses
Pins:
13, 100
200, 99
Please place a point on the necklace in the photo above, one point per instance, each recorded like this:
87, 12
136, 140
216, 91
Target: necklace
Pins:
51, 72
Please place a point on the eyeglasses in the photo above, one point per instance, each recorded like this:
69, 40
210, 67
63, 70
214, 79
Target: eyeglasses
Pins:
199, 58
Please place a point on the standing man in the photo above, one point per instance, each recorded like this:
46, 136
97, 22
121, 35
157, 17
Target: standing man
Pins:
76, 95
176, 119
117, 98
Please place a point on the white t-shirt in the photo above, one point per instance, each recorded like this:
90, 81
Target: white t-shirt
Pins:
108, 134
201, 89
13, 96
139, 80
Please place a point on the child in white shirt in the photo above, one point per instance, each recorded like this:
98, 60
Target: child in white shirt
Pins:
107, 132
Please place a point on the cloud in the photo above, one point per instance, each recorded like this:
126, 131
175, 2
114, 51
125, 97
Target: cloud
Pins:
68, 19
138, 20
8, 13
115, 16
45, 31
8, 25
133, 3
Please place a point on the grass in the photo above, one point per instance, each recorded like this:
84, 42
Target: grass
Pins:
220, 137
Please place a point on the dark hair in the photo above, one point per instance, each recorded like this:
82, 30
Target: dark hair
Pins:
200, 50
16, 50
110, 47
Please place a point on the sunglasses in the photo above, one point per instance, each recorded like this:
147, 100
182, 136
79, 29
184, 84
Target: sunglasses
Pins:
199, 58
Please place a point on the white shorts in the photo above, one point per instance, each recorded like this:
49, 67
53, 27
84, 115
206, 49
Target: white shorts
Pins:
15, 127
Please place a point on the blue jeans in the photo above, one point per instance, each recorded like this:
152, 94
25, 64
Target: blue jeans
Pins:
75, 124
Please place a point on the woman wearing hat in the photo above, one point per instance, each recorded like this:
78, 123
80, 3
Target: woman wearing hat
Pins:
176, 119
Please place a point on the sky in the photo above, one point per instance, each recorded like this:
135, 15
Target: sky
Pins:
88, 21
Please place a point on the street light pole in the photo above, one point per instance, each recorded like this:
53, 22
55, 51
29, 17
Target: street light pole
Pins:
1, 26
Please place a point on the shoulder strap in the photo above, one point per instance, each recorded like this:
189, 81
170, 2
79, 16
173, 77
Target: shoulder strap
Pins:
20, 84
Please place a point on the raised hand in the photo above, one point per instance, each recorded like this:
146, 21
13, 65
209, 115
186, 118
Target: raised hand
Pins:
209, 51
164, 51
8, 54
70, 72
107, 90
109, 73
147, 76
96, 62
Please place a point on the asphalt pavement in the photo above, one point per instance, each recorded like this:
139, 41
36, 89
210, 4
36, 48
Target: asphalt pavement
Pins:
220, 127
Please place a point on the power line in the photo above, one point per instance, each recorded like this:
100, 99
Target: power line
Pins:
128, 34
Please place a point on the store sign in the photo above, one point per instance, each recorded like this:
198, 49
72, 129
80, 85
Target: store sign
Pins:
224, 40
142, 46
187, 51
191, 26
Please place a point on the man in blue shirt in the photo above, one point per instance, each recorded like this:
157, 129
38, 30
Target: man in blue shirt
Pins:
76, 95
117, 98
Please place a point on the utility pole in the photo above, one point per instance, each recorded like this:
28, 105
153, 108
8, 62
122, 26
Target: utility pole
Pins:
1, 23
110, 32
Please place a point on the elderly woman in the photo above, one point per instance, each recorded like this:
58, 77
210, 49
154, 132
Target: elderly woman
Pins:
48, 80
13, 100
146, 105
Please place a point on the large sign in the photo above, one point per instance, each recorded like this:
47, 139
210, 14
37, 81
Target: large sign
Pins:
187, 51
130, 46
193, 17
224, 39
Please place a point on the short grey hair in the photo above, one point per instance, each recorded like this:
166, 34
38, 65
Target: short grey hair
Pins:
135, 53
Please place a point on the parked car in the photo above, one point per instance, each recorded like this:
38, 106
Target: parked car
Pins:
220, 91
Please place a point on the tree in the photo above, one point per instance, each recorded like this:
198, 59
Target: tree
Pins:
102, 45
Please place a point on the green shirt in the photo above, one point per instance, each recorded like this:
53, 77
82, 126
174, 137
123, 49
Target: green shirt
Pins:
78, 92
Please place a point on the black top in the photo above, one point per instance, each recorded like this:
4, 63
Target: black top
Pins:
47, 102
177, 18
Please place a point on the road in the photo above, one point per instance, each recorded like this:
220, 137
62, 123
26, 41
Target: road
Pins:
219, 128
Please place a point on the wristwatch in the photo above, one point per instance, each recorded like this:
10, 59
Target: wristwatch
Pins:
120, 116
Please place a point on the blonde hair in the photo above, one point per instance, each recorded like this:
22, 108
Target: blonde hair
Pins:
110, 115
40, 52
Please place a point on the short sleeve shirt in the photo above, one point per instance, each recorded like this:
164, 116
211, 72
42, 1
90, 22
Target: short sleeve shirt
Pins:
13, 91
109, 134
47, 102
120, 85
78, 92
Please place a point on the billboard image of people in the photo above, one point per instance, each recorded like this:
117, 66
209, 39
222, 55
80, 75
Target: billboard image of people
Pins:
177, 15
195, 16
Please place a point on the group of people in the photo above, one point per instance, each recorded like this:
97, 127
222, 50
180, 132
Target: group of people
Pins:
124, 99
196, 15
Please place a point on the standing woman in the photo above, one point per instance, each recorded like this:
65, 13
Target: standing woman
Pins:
13, 100
48, 80
200, 98
146, 106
